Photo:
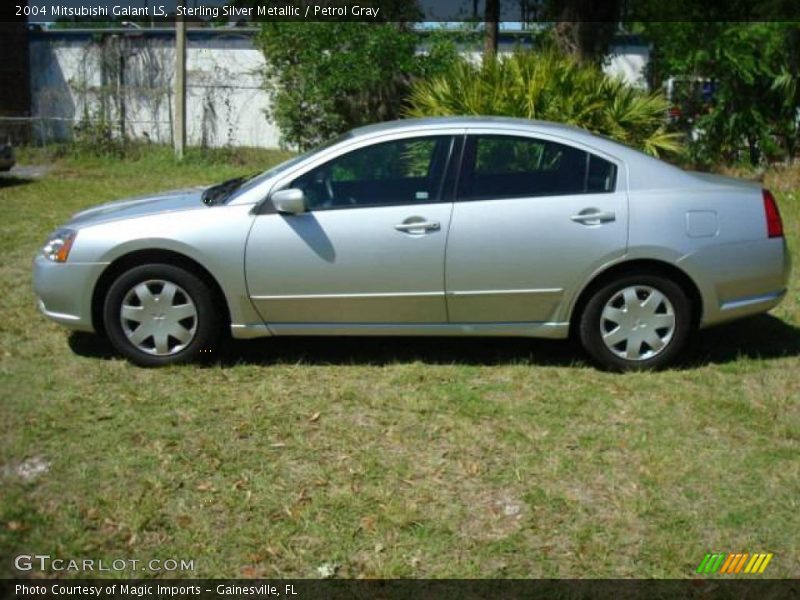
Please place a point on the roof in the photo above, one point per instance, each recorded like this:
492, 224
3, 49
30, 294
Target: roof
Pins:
465, 121
646, 171
533, 126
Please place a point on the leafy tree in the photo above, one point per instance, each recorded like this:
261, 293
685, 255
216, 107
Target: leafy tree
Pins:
325, 78
550, 86
752, 70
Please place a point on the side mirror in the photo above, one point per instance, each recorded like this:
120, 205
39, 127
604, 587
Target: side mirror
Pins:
289, 202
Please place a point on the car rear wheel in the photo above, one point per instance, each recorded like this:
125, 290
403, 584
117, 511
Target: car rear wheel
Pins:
637, 322
160, 314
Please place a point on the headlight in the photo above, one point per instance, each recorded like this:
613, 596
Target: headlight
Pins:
59, 244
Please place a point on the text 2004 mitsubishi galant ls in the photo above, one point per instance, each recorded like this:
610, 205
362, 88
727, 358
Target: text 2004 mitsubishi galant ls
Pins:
452, 226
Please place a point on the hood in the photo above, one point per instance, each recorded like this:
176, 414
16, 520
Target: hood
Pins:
140, 206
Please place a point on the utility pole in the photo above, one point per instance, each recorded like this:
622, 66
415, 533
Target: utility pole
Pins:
180, 84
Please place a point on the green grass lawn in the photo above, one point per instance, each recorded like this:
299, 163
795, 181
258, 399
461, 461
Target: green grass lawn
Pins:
384, 457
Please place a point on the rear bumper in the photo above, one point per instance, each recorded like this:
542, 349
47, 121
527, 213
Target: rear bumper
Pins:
746, 278
64, 291
744, 307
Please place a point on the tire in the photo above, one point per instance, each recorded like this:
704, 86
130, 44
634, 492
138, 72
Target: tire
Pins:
636, 323
158, 314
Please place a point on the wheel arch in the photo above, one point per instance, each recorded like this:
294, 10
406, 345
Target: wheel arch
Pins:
631, 267
160, 256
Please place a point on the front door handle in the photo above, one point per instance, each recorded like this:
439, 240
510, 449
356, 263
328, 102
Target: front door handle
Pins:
593, 216
418, 226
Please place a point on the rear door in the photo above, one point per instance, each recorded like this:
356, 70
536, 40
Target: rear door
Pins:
533, 218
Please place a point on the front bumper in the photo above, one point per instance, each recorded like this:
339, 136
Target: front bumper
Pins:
64, 291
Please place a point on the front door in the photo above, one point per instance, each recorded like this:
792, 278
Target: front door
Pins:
369, 249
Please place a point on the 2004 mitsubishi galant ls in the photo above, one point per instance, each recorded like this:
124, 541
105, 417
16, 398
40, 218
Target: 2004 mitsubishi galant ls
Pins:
451, 226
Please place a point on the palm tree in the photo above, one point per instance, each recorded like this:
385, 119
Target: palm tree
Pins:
549, 86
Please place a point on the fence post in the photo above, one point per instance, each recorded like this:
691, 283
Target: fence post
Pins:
180, 84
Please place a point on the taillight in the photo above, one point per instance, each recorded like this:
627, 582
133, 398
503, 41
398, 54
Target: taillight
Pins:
774, 223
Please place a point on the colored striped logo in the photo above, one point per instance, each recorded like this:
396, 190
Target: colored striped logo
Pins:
732, 564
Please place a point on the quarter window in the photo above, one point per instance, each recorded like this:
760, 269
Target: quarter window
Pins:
405, 171
497, 166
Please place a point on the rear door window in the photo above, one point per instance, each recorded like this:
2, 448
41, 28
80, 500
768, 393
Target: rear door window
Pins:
500, 166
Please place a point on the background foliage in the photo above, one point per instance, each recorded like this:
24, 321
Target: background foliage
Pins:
326, 78
550, 86
752, 114
736, 100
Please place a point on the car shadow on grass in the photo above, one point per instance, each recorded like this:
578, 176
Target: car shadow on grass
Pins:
8, 181
380, 351
365, 350
760, 337
763, 337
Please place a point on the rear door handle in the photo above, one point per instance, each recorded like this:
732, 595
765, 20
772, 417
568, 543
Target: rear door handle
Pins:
419, 226
592, 216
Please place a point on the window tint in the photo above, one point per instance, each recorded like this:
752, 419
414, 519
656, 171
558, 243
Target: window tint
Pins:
602, 175
398, 172
513, 167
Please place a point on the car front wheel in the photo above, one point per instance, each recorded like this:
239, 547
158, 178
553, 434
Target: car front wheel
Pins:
160, 314
637, 322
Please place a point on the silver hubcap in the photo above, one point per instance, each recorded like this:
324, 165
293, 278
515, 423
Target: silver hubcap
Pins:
637, 323
158, 317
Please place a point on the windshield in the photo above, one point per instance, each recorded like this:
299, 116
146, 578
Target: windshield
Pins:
253, 182
219, 193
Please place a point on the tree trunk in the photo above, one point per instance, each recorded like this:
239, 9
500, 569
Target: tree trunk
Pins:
752, 146
492, 24
585, 29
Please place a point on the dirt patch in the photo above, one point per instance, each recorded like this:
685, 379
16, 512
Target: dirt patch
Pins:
492, 515
28, 470
27, 171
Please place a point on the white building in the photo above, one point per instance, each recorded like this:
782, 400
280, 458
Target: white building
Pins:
123, 79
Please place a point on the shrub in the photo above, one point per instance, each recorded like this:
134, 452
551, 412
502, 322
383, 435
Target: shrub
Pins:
97, 137
551, 87
751, 112
326, 78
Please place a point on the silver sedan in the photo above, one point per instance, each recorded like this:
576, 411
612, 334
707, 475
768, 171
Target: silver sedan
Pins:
452, 226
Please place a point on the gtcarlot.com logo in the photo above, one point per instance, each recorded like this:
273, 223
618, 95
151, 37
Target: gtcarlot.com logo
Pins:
735, 563
45, 562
